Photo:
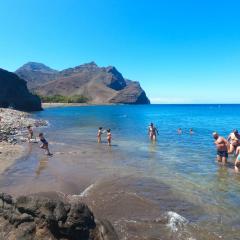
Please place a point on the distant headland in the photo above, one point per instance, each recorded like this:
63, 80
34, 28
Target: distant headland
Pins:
87, 83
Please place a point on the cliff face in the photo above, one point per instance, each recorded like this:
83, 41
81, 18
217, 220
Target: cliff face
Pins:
14, 93
98, 84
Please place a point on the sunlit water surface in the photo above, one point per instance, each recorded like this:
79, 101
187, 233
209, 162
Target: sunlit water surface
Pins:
176, 175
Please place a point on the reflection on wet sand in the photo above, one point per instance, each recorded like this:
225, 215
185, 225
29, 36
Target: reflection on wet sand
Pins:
43, 164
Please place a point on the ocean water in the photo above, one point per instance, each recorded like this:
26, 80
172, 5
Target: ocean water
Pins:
171, 189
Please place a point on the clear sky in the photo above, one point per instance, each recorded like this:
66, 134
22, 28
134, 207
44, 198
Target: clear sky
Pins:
182, 51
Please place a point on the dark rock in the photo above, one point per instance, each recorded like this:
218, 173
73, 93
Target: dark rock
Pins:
25, 231
39, 217
104, 231
14, 93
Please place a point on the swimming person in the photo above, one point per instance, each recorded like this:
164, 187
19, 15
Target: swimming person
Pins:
109, 137
44, 144
191, 131
179, 131
222, 148
99, 134
153, 132
30, 133
234, 140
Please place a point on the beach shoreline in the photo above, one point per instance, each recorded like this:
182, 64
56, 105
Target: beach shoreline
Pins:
13, 135
49, 105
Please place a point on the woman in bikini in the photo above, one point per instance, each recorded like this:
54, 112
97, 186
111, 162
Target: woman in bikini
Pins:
99, 134
234, 141
109, 137
153, 132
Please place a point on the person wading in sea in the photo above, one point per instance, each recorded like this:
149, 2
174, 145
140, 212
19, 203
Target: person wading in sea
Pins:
222, 148
234, 140
153, 132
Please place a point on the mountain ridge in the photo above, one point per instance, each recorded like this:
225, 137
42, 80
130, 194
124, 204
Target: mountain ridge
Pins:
98, 84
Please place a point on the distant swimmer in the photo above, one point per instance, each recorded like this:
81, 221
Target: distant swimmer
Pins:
237, 161
109, 137
153, 132
44, 144
179, 131
234, 141
191, 131
99, 134
222, 148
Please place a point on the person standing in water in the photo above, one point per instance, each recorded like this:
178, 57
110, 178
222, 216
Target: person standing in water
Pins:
44, 144
99, 134
237, 161
234, 141
222, 148
179, 131
153, 132
109, 137
191, 131
30, 133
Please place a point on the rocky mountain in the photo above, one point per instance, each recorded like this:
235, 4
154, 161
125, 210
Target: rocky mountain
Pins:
14, 93
36, 73
97, 84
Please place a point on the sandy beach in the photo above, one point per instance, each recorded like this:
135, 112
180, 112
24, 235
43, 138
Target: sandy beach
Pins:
49, 105
13, 135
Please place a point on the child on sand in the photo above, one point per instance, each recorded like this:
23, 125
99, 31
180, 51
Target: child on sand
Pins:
109, 137
44, 144
99, 134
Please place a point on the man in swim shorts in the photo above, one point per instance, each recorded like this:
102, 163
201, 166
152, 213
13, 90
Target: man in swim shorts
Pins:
222, 148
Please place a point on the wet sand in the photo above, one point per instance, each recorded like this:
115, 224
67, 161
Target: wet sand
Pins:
9, 154
137, 206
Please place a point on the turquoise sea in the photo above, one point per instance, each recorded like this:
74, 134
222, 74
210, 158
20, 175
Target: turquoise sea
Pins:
173, 189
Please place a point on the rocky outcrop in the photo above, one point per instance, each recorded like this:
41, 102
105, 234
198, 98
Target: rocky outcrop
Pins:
14, 93
97, 84
131, 94
40, 217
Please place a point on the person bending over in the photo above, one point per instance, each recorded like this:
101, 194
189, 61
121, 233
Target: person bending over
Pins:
44, 144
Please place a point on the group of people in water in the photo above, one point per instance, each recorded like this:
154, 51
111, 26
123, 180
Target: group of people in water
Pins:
101, 132
224, 147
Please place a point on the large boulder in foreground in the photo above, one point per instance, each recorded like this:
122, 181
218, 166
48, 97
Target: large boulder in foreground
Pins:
14, 93
40, 217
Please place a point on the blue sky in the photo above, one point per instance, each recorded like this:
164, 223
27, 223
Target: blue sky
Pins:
184, 51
